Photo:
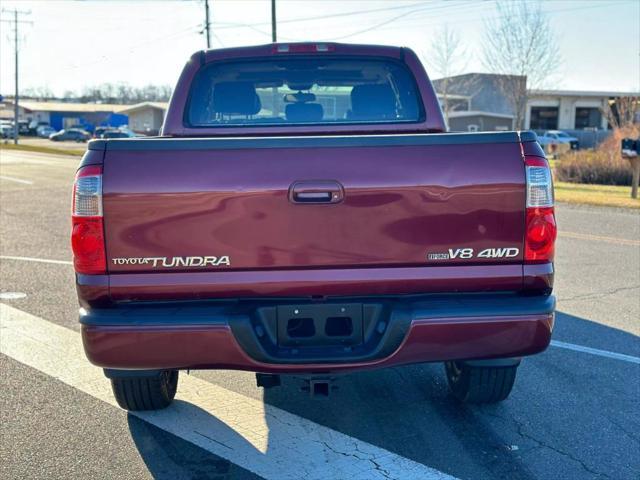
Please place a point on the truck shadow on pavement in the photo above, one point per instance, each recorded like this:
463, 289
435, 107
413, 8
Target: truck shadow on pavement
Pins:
552, 426
168, 456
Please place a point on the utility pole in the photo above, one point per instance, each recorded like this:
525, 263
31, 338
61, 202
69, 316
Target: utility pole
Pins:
16, 126
274, 36
15, 21
275, 107
207, 24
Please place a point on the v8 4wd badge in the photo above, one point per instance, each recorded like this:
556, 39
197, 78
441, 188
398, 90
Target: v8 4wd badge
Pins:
469, 253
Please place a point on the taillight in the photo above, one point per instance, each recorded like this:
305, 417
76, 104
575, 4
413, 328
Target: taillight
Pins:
87, 234
541, 229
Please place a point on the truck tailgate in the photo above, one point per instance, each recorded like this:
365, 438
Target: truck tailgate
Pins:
312, 202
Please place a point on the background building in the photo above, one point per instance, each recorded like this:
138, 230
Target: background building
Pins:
476, 103
67, 115
568, 109
146, 117
579, 113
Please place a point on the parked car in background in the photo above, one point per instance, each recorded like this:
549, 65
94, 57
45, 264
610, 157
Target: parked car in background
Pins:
6, 130
112, 132
99, 131
34, 125
7, 126
115, 134
23, 127
45, 131
130, 133
71, 134
556, 137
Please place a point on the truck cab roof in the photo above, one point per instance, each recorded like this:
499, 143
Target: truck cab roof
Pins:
388, 86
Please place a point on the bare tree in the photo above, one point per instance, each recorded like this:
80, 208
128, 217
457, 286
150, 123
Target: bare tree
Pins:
623, 112
520, 46
124, 93
121, 93
447, 57
39, 93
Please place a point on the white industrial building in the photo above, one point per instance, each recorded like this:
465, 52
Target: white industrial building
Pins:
569, 109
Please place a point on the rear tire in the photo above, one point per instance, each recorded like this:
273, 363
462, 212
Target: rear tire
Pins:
480, 384
146, 393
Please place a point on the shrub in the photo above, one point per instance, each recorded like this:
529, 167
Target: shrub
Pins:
603, 166
593, 167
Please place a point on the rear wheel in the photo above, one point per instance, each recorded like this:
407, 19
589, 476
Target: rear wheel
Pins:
480, 384
146, 392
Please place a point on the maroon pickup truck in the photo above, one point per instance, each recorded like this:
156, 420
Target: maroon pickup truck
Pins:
305, 212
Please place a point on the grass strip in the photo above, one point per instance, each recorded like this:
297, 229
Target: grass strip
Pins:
601, 195
39, 149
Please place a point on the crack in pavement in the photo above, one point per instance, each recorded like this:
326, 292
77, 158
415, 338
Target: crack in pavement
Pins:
213, 440
328, 446
369, 458
592, 296
633, 437
541, 444
377, 466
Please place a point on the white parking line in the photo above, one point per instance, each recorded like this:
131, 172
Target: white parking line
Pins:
266, 440
32, 259
600, 238
595, 351
17, 180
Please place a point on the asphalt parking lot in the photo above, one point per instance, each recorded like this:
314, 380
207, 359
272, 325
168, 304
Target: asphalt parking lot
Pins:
574, 412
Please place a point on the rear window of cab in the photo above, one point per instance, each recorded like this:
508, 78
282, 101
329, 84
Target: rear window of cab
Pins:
303, 91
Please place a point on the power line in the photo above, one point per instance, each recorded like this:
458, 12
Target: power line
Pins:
321, 17
426, 9
16, 96
473, 20
171, 36
217, 37
391, 20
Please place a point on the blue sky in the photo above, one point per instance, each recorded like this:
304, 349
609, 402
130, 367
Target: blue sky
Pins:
77, 43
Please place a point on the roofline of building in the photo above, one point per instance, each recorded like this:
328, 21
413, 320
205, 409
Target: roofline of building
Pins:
141, 105
483, 74
471, 113
551, 92
581, 93
74, 107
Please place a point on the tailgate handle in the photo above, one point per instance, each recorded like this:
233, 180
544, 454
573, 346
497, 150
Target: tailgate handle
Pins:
316, 191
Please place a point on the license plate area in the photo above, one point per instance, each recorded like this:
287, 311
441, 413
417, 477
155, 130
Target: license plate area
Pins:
320, 325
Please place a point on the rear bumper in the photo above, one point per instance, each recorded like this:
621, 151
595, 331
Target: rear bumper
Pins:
419, 329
